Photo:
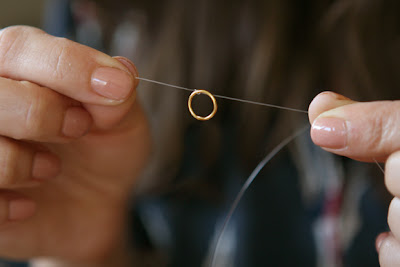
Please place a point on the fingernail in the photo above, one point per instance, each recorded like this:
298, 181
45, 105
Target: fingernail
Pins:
379, 240
112, 83
334, 95
127, 63
21, 209
329, 133
45, 166
76, 123
131, 67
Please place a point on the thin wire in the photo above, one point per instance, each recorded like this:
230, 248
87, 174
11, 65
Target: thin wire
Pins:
379, 166
259, 167
165, 84
247, 184
261, 104
256, 171
224, 97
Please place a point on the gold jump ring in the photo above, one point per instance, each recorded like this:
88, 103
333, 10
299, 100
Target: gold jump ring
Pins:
215, 106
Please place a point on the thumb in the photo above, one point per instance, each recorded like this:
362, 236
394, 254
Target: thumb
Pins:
105, 117
362, 131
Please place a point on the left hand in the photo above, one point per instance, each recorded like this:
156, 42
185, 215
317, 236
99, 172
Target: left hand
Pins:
365, 132
73, 140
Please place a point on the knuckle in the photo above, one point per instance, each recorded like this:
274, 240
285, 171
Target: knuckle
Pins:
376, 133
383, 130
12, 41
60, 59
39, 105
10, 153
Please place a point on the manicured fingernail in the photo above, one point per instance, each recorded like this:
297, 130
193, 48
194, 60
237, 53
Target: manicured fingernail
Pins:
127, 63
131, 67
379, 240
329, 133
334, 95
112, 83
45, 166
21, 209
77, 122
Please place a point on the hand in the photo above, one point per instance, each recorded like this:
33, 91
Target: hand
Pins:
72, 141
367, 132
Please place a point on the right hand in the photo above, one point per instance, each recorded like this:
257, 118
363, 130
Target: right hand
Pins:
366, 131
72, 141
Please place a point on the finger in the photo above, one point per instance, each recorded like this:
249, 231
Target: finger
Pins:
392, 174
22, 164
379, 239
71, 69
14, 207
363, 131
394, 217
326, 101
106, 117
389, 251
31, 112
103, 84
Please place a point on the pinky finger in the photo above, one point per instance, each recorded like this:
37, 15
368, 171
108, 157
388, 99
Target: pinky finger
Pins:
21, 164
15, 208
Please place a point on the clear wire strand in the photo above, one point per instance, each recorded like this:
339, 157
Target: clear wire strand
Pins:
379, 166
259, 167
246, 186
225, 97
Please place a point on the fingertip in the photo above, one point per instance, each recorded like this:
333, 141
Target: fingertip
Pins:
21, 209
45, 166
113, 84
130, 66
326, 101
392, 171
77, 122
107, 117
379, 240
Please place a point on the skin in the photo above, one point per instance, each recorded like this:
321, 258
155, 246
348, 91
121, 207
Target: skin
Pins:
372, 133
69, 157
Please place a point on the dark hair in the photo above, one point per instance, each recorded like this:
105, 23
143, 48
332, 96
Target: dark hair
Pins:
278, 51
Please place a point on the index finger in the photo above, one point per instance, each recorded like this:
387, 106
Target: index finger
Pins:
74, 70
362, 131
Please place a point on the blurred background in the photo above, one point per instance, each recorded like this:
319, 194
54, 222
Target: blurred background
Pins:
307, 207
24, 12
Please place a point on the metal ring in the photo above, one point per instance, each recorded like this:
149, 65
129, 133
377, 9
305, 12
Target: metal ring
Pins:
204, 92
